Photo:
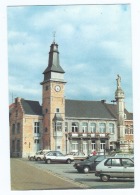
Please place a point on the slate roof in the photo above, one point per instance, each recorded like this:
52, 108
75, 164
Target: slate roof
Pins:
87, 109
113, 109
31, 107
92, 109
79, 109
54, 68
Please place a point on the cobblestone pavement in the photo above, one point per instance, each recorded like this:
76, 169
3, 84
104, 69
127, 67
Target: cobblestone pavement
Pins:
27, 177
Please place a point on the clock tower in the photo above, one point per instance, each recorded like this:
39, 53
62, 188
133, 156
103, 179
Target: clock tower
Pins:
53, 102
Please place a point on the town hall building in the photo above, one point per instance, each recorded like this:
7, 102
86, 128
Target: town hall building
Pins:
68, 125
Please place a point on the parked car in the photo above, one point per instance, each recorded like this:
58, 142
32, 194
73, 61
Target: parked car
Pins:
118, 167
127, 155
56, 156
89, 164
78, 155
40, 155
36, 156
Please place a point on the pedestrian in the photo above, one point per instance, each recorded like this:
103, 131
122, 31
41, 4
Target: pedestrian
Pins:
94, 153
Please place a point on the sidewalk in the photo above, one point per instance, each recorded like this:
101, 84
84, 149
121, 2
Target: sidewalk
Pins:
27, 177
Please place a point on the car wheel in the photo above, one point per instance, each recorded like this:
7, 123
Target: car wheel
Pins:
31, 158
48, 161
69, 161
86, 170
38, 159
104, 177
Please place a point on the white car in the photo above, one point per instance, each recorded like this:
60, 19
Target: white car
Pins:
40, 154
117, 167
78, 155
56, 156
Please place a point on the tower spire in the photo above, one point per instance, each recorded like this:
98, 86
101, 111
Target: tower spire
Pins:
53, 71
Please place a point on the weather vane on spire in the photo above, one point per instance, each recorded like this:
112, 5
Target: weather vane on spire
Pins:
54, 36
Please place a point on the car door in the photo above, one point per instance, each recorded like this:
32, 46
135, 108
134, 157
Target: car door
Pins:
52, 156
128, 168
114, 167
60, 157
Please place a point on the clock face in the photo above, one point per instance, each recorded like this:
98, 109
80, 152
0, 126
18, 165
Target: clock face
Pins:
57, 88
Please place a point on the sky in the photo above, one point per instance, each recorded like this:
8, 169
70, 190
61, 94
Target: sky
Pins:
94, 46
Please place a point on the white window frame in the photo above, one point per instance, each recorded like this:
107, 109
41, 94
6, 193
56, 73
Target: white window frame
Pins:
102, 128
74, 146
111, 128
75, 127
93, 145
36, 127
84, 127
93, 127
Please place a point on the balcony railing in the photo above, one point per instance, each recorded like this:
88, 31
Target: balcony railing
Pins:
88, 135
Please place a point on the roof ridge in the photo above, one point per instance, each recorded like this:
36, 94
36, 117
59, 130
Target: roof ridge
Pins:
84, 100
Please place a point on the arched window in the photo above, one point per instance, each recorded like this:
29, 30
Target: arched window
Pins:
93, 127
102, 127
111, 128
84, 127
75, 127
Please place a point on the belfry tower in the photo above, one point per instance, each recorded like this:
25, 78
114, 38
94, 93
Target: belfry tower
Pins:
53, 102
119, 96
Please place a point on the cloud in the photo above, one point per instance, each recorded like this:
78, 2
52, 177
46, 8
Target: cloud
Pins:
94, 45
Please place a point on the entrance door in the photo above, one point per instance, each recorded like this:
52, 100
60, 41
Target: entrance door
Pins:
36, 145
102, 147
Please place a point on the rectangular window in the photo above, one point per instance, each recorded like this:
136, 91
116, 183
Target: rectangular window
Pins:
126, 129
131, 129
75, 146
18, 128
57, 110
58, 126
36, 141
66, 126
36, 127
13, 145
93, 145
18, 145
13, 129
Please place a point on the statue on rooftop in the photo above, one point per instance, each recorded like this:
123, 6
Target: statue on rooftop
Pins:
118, 81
